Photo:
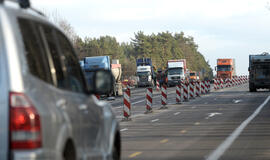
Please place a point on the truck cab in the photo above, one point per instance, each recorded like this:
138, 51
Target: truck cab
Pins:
225, 68
193, 76
145, 72
176, 71
144, 76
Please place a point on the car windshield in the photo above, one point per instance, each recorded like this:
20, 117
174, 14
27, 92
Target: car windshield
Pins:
175, 71
143, 73
224, 68
192, 74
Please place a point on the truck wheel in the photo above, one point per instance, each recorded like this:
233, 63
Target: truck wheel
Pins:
252, 88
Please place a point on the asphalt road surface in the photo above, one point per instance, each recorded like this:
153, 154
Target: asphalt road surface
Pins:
227, 124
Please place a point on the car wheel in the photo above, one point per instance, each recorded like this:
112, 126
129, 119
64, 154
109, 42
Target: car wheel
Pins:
116, 153
69, 151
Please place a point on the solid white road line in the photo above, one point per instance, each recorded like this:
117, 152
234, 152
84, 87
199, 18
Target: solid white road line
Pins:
154, 120
124, 129
216, 154
176, 113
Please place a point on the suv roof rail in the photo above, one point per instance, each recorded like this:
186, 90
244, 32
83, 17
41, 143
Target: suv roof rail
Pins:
25, 4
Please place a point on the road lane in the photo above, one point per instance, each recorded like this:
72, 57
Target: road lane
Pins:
189, 135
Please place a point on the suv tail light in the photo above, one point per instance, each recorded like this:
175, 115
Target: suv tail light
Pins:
24, 123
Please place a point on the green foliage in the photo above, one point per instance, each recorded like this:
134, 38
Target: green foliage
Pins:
159, 47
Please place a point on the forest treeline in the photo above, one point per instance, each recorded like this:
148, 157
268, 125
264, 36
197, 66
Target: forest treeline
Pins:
160, 47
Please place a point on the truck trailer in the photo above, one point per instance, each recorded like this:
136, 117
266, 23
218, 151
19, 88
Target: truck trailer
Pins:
259, 71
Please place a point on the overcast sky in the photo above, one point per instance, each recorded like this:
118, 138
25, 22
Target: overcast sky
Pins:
221, 28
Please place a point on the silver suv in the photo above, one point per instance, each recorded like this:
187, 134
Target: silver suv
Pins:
46, 108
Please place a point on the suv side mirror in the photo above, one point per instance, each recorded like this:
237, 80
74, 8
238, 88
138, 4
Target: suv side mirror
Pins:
102, 83
248, 69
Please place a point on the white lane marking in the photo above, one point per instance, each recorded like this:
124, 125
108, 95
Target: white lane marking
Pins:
210, 115
237, 101
118, 107
193, 107
221, 149
137, 102
206, 103
154, 120
124, 129
176, 113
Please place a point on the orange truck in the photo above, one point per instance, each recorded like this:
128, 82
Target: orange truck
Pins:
225, 68
193, 76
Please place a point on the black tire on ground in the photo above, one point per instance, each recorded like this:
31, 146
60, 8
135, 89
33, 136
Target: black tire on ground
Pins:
69, 151
117, 148
252, 88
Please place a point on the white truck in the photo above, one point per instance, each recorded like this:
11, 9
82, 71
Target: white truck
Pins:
176, 71
145, 73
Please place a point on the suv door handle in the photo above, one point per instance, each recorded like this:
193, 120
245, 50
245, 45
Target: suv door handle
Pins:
61, 103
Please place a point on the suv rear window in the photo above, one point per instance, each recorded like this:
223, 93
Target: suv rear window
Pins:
34, 50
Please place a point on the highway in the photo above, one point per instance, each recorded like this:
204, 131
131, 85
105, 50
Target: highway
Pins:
231, 123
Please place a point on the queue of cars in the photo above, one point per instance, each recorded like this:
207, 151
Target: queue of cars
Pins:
47, 110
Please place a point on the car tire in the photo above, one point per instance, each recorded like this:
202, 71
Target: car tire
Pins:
116, 152
69, 151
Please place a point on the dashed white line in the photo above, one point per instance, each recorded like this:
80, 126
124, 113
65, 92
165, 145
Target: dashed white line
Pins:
176, 113
216, 154
154, 120
137, 102
124, 129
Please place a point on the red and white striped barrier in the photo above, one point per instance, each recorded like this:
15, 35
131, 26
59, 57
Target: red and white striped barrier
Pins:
218, 83
215, 84
127, 105
198, 88
208, 86
158, 86
178, 93
221, 84
203, 87
185, 91
164, 95
227, 83
149, 99
191, 90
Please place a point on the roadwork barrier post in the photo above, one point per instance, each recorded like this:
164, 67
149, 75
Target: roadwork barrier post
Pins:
158, 86
186, 91
191, 90
221, 83
149, 100
198, 88
164, 97
215, 84
178, 93
127, 105
218, 83
208, 86
203, 87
